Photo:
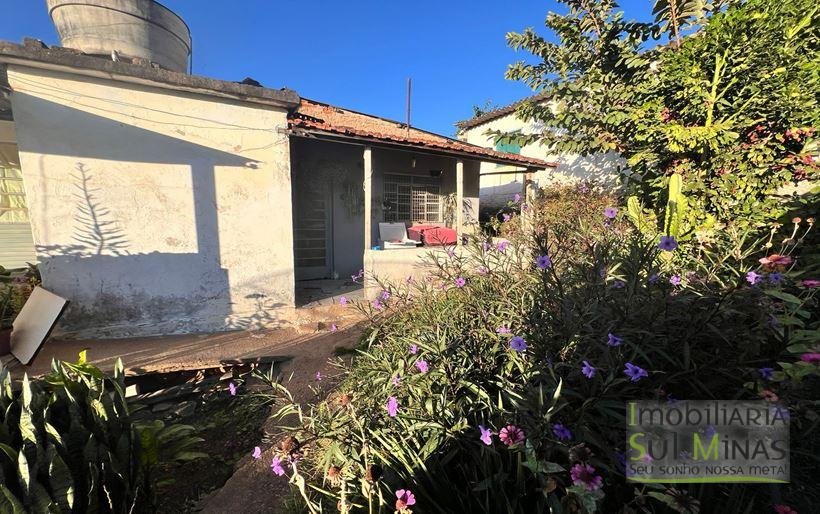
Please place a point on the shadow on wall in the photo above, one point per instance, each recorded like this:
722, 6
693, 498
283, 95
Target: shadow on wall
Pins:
114, 292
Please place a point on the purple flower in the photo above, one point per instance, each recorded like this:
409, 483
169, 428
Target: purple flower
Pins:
517, 197
232, 388
543, 262
610, 212
396, 380
511, 435
525, 207
377, 304
409, 279
502, 330
404, 499
451, 253
276, 466
618, 284
318, 376
392, 406
708, 431
561, 432
667, 243
414, 349
589, 370
333, 327
486, 435
634, 372
506, 217
766, 373
584, 475
518, 344
460, 282
613, 340
482, 270
775, 277
257, 452
753, 278
502, 246
385, 295
675, 280
653, 278
422, 365
343, 300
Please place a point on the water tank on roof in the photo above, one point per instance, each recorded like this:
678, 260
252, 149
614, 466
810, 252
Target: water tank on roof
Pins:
132, 28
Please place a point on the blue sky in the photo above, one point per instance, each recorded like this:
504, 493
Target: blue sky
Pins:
356, 54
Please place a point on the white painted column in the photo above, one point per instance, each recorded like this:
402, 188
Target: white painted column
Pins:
368, 197
527, 197
459, 200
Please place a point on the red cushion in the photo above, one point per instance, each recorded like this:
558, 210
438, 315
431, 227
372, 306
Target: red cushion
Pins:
439, 236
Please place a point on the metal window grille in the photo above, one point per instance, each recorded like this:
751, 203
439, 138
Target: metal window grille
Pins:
412, 199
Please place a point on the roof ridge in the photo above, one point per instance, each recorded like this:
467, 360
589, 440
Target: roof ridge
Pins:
498, 112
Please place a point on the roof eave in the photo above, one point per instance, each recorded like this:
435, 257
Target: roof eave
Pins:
363, 140
89, 66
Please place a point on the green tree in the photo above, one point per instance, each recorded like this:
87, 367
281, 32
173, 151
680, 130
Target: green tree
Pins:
728, 102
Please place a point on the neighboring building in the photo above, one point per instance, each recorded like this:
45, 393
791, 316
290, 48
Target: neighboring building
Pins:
161, 202
499, 185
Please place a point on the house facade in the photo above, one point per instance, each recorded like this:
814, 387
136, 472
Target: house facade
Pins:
159, 202
499, 182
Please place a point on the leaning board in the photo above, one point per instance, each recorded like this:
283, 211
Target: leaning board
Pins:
34, 323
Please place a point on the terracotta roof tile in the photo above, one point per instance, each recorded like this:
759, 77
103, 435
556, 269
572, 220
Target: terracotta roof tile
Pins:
317, 116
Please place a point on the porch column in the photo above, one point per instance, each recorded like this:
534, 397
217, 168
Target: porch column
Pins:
459, 201
527, 196
368, 197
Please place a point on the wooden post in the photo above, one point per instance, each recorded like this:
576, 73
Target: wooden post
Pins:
459, 201
368, 198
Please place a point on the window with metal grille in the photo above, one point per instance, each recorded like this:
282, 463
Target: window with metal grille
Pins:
412, 199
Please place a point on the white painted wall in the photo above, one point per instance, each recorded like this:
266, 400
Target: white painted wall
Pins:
497, 190
154, 211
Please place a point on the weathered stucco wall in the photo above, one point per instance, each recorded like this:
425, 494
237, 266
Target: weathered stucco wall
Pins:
154, 211
497, 190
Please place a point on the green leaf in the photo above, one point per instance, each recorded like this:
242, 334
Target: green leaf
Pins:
9, 503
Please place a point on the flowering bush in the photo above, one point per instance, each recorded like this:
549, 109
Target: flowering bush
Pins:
499, 383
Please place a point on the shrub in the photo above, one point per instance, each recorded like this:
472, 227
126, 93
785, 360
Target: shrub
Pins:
69, 444
14, 291
500, 384
731, 106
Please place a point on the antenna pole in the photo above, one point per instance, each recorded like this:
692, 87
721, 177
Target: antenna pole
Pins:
409, 86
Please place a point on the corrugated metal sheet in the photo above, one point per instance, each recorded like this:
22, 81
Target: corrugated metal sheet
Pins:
16, 245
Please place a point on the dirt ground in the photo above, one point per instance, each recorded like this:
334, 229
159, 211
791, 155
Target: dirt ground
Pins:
253, 488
